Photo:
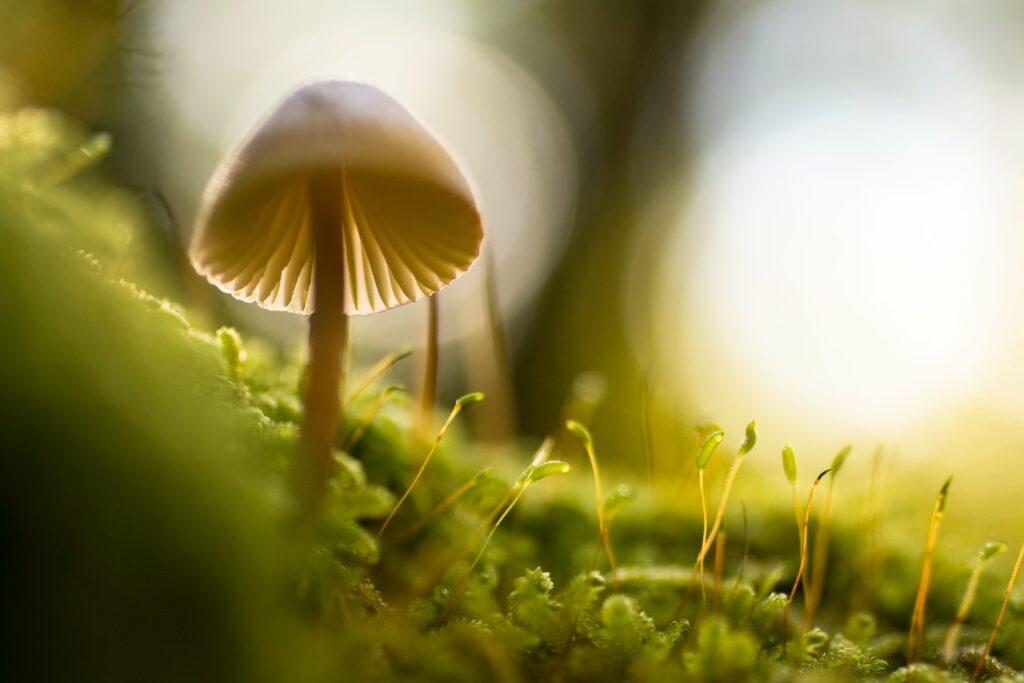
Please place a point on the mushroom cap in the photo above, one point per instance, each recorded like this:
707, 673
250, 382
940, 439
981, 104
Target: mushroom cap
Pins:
410, 222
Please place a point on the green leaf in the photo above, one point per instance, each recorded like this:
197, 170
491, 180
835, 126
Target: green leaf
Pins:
789, 464
708, 448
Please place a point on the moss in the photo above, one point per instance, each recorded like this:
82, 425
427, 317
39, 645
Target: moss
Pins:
148, 527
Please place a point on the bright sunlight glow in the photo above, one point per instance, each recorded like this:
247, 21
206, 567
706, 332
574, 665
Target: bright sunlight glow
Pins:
840, 261
849, 262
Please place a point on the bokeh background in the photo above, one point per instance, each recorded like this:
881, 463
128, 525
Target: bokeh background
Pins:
801, 211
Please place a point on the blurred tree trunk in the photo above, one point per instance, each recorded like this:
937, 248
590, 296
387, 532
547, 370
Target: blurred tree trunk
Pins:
624, 50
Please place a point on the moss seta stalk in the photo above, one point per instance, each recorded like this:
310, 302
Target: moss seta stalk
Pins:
915, 639
805, 526
987, 652
456, 409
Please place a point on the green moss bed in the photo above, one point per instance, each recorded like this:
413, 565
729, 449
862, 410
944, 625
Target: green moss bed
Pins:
149, 532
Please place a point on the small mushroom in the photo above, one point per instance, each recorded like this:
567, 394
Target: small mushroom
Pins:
339, 203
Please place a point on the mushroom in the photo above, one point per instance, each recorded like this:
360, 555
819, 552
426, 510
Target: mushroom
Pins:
339, 203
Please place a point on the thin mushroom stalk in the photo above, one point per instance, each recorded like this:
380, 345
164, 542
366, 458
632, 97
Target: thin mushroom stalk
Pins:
328, 335
339, 203
428, 384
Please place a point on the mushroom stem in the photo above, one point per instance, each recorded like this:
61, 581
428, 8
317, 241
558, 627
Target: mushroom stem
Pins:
328, 337
428, 388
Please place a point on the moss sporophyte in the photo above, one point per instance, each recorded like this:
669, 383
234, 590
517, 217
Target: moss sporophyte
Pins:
423, 561
805, 526
456, 409
704, 453
583, 434
915, 639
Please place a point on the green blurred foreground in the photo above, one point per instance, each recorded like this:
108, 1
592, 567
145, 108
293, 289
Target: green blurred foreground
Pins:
147, 521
